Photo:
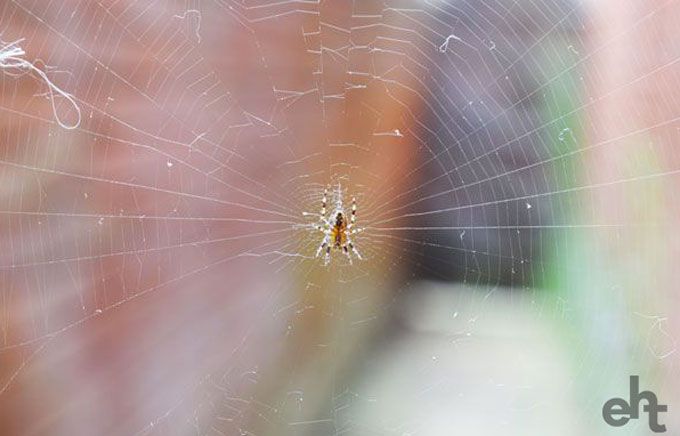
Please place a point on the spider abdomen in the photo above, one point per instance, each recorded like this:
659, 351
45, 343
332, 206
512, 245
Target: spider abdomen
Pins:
338, 232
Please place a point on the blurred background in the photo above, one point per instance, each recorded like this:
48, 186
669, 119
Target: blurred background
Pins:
162, 168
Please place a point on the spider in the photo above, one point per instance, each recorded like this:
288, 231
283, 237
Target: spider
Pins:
337, 231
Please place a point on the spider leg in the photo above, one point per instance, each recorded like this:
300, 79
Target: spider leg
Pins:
323, 245
324, 202
322, 212
353, 214
327, 256
325, 242
354, 250
349, 257
354, 211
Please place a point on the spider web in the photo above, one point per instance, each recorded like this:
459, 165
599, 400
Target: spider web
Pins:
163, 243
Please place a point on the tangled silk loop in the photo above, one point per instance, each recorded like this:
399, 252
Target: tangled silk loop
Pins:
11, 61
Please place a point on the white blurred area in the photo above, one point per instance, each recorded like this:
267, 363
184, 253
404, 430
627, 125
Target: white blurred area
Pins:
495, 366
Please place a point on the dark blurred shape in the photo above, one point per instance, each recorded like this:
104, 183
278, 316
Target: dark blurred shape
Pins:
503, 79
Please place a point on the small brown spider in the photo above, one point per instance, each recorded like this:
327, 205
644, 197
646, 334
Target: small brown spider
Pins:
337, 231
